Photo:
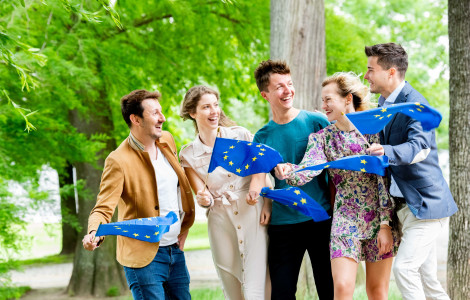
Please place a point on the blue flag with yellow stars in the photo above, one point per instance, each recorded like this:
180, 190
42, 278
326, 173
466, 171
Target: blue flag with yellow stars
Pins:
374, 120
298, 200
360, 163
243, 158
144, 229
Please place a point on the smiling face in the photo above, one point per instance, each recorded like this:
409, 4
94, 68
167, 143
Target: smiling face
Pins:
333, 103
377, 77
207, 113
150, 124
280, 94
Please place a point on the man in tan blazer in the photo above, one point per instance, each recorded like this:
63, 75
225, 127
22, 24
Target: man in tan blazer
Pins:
143, 178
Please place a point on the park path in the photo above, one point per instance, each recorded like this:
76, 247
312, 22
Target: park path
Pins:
200, 266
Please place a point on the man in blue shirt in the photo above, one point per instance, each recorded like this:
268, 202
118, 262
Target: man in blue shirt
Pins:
290, 232
421, 194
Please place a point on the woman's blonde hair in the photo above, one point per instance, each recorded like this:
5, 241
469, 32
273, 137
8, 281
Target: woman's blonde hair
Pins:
349, 83
191, 99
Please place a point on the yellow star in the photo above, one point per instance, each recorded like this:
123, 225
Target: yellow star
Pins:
363, 170
258, 146
118, 227
421, 106
247, 166
156, 233
383, 109
262, 149
297, 192
249, 144
254, 158
150, 219
363, 161
303, 200
231, 147
139, 219
417, 103
135, 234
260, 154
147, 236
412, 110
238, 141
418, 109
225, 157
381, 118
327, 166
389, 115
295, 203
230, 163
225, 152
238, 170
125, 231
376, 116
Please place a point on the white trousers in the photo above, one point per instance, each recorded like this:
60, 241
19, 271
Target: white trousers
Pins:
415, 266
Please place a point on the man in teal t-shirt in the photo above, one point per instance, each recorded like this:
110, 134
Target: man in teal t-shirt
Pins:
290, 232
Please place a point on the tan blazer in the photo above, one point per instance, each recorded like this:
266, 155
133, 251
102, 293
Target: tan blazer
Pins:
129, 182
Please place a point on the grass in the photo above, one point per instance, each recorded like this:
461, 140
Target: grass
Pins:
198, 238
13, 292
207, 294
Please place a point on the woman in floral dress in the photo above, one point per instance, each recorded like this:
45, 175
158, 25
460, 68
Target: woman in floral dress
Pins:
363, 208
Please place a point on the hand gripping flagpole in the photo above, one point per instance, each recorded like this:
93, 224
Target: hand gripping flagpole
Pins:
356, 128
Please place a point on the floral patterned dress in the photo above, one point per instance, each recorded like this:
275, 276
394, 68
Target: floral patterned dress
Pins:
361, 201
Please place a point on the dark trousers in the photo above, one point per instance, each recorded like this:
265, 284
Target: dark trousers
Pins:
287, 245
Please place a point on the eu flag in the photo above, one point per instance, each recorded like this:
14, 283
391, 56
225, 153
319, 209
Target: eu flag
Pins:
243, 158
298, 200
144, 229
374, 120
361, 163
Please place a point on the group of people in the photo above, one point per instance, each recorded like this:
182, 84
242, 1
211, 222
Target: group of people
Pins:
258, 244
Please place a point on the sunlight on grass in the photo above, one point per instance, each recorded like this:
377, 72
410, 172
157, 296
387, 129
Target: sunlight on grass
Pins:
197, 238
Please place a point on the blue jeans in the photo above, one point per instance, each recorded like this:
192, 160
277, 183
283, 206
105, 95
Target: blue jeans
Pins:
165, 278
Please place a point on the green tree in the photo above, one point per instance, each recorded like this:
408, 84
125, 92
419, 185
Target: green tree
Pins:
165, 45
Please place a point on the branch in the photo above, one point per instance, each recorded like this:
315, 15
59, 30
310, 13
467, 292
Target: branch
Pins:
138, 23
226, 17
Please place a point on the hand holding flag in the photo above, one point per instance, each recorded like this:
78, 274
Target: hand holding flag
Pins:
374, 120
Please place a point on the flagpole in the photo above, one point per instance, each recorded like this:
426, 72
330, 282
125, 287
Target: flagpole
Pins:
356, 129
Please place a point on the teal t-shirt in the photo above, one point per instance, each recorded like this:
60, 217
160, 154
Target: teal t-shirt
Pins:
290, 140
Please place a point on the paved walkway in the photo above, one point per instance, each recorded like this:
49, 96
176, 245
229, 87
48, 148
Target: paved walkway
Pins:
200, 265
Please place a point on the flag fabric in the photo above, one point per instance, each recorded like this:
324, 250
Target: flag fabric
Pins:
243, 158
360, 163
298, 200
374, 120
144, 229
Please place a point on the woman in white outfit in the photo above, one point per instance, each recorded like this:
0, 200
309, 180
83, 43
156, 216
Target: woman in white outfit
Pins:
237, 231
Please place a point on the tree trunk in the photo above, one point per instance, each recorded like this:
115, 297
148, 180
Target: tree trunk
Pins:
94, 273
68, 211
298, 37
458, 263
